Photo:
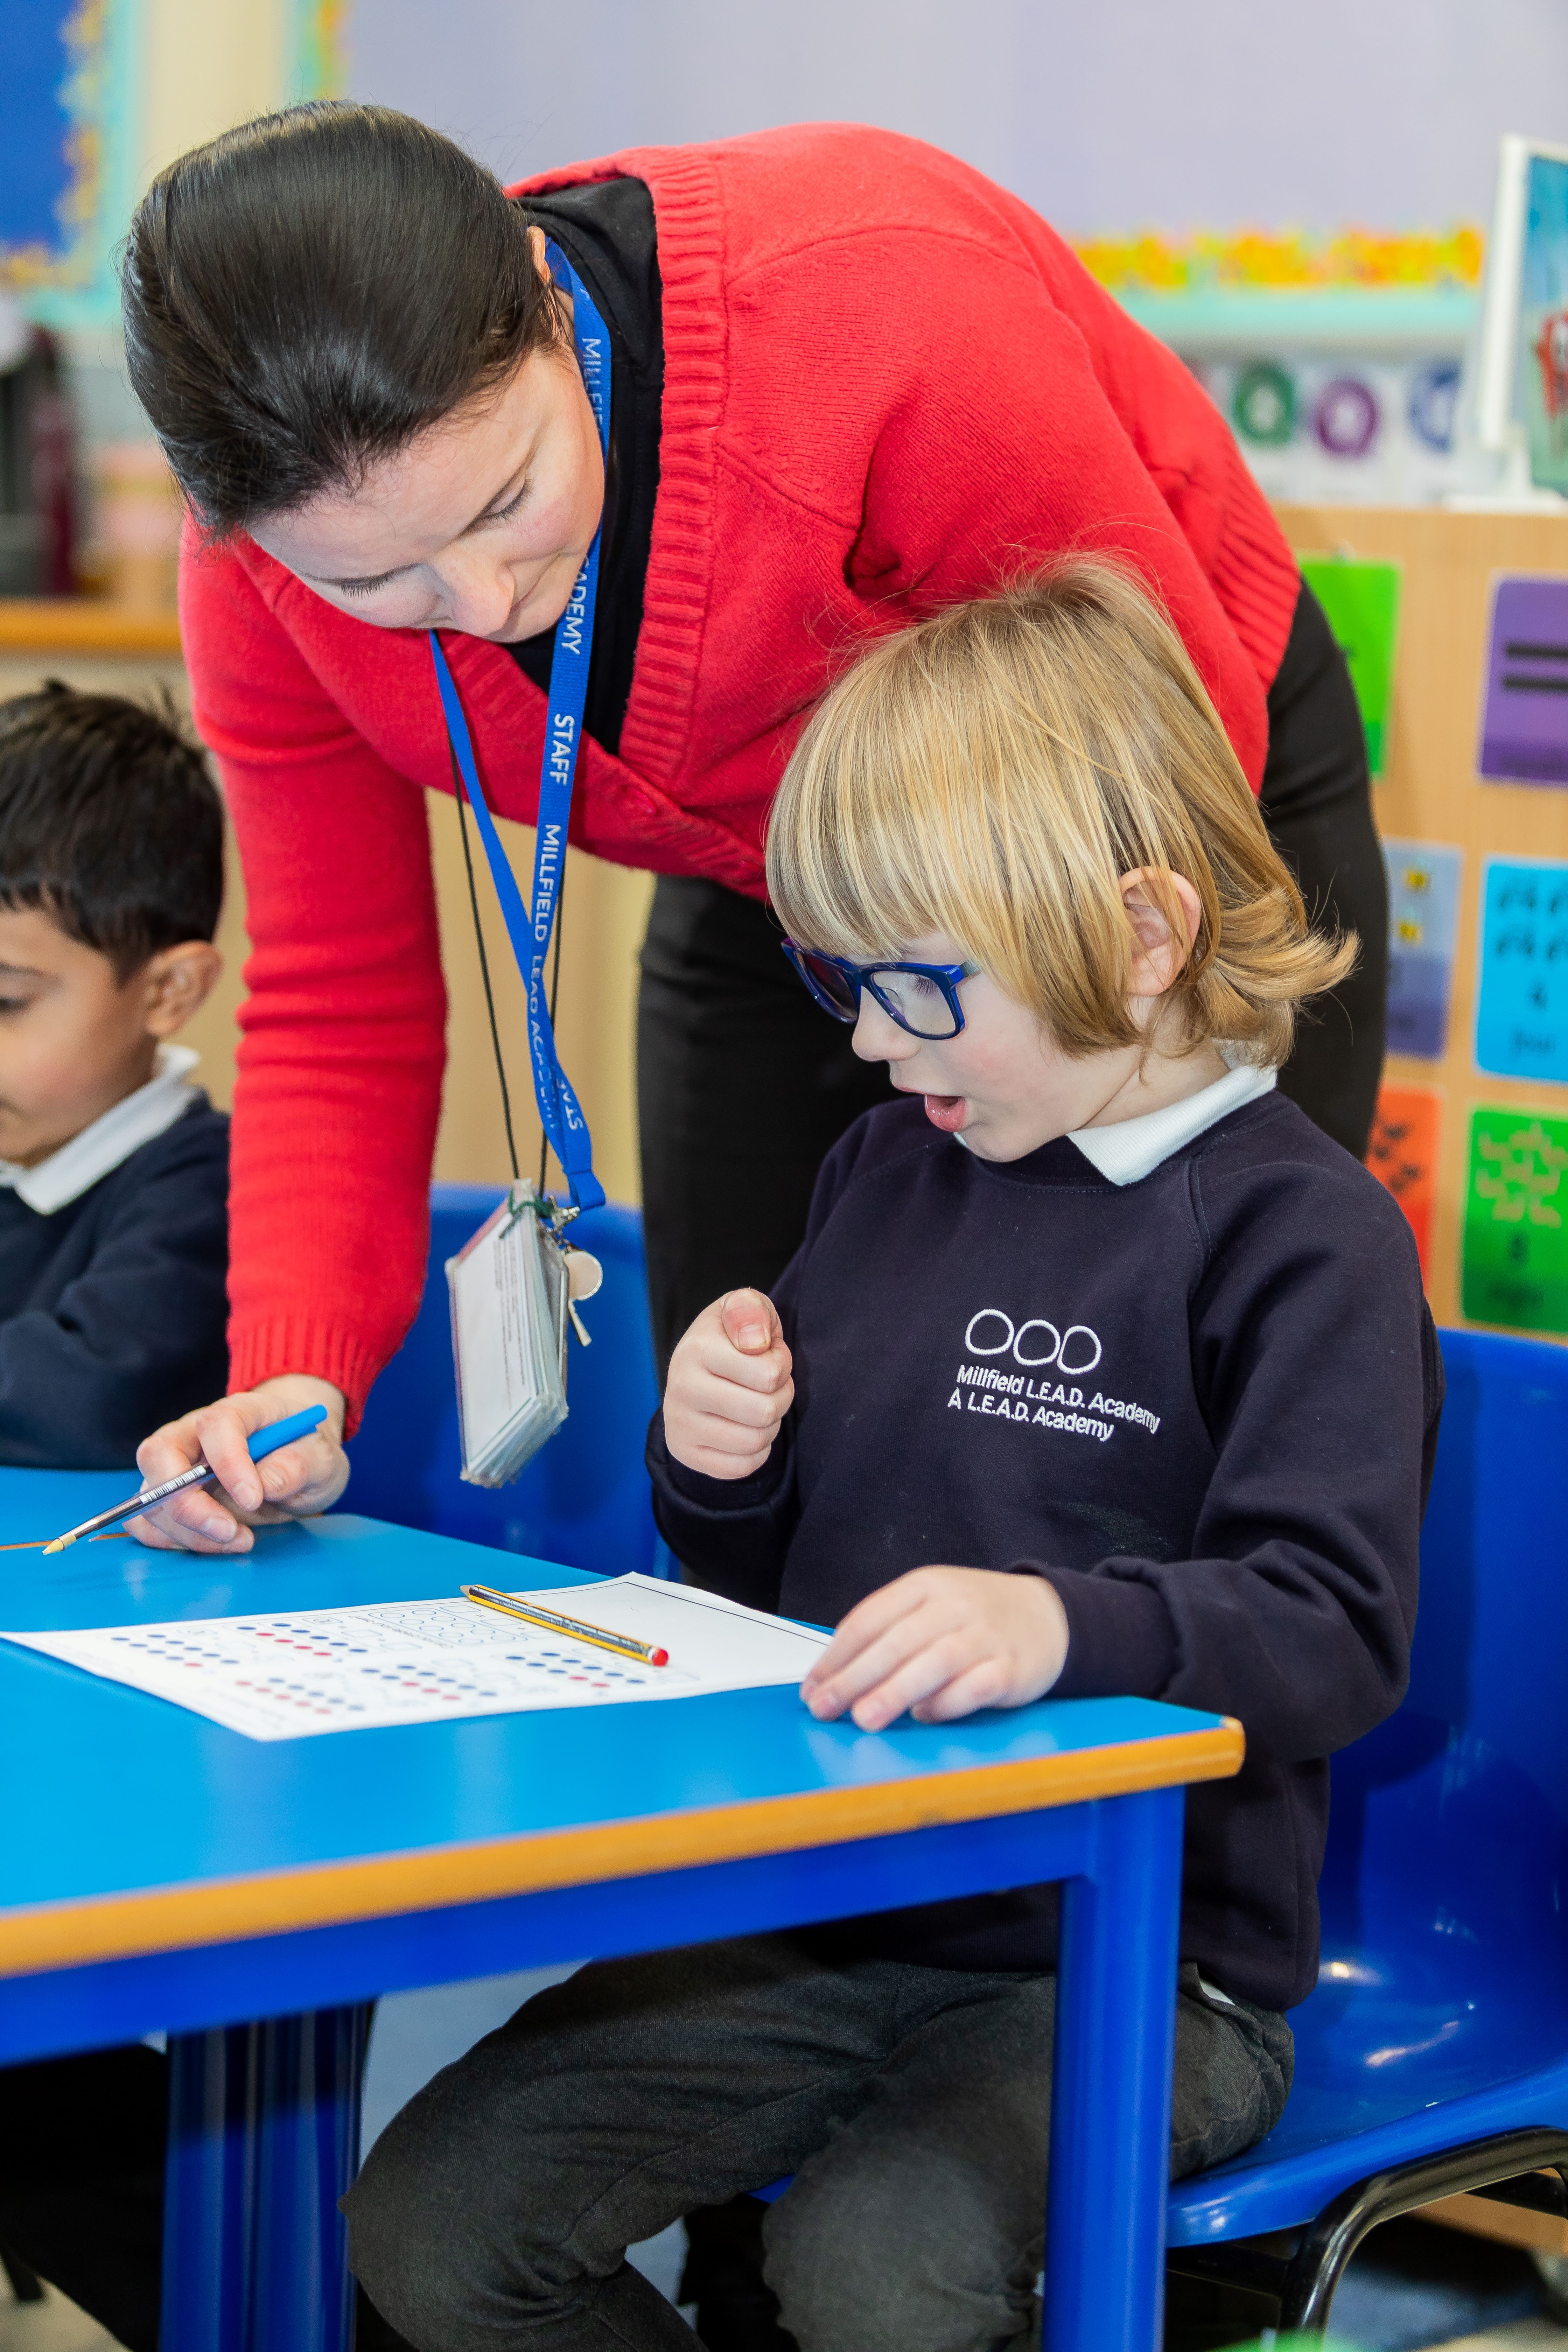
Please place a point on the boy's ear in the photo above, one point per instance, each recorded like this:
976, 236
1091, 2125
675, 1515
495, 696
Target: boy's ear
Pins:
1159, 954
175, 981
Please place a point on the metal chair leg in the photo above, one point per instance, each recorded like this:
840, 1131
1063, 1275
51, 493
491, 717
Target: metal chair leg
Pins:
1303, 2281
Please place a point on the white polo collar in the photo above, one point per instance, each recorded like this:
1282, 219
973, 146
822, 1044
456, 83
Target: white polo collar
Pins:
53, 1183
1134, 1148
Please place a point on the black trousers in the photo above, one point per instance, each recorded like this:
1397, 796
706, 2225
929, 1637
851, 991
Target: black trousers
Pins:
744, 1086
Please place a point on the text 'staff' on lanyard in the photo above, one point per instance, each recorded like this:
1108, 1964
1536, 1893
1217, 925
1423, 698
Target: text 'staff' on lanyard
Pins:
530, 928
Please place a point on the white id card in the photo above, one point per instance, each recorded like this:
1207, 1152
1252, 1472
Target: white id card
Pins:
508, 1290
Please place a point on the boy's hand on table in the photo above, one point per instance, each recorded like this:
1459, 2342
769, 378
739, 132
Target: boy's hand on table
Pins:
729, 1387
940, 1642
296, 1481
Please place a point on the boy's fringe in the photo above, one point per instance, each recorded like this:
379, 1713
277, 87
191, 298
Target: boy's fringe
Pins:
991, 773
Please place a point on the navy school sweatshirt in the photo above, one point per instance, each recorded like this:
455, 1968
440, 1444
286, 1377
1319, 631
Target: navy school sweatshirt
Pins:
112, 1310
1204, 1404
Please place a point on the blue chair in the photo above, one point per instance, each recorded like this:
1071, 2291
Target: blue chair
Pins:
583, 1498
1433, 2056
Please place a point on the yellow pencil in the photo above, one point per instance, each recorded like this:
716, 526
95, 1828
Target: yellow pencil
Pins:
601, 1637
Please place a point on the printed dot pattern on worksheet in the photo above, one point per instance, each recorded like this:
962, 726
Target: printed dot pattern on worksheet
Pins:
278, 1677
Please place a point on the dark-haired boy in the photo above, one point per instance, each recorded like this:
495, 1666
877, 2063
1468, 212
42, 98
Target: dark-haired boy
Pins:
113, 1255
114, 1168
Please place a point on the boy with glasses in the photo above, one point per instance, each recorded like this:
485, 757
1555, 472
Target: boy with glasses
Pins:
1100, 1370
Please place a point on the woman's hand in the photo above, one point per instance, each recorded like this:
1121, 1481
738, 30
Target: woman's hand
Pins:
297, 1480
729, 1387
940, 1642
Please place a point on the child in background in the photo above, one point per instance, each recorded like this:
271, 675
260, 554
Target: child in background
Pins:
1100, 1370
114, 1168
113, 1253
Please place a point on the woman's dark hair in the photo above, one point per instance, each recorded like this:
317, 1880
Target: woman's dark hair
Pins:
109, 822
305, 294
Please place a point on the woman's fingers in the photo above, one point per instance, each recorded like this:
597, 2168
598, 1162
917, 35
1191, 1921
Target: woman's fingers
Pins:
201, 1520
221, 1431
303, 1476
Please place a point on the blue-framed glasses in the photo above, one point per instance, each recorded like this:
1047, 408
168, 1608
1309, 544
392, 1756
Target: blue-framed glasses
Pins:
922, 998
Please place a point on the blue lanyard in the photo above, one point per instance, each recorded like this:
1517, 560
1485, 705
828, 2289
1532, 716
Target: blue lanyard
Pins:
530, 928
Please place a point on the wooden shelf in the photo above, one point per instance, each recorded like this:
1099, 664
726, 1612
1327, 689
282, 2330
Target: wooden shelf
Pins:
84, 624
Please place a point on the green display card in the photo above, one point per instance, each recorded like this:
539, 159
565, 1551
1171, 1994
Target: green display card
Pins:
1516, 1222
1361, 601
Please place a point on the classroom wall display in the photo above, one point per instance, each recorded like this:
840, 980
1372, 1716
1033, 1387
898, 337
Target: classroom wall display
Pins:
1403, 1155
1346, 416
67, 133
1522, 996
1446, 829
1543, 320
1361, 601
1515, 1233
1314, 422
1424, 880
1524, 714
75, 120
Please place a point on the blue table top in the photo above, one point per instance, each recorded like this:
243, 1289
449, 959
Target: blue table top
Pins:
111, 1790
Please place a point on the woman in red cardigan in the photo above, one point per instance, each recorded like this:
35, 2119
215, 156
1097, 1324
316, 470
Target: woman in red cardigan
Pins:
852, 381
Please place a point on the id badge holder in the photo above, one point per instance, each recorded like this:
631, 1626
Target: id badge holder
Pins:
510, 1292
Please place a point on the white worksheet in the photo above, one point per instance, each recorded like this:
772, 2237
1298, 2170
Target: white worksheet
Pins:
313, 1669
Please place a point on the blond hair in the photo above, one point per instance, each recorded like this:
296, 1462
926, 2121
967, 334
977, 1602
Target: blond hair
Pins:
994, 772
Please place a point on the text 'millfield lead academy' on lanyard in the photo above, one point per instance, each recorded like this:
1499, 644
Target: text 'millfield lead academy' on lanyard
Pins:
530, 928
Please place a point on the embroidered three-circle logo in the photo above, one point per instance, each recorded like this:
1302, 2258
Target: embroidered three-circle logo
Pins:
1069, 1351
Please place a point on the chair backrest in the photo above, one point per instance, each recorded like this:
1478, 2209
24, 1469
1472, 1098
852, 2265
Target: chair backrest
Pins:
1447, 1875
583, 1498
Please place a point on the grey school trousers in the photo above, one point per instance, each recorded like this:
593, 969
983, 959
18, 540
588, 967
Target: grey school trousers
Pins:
912, 2102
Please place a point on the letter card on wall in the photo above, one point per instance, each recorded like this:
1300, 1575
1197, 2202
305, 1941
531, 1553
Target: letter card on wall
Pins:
1424, 880
1521, 998
1403, 1155
1516, 1240
1524, 710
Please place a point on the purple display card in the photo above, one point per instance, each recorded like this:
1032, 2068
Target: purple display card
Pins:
1524, 720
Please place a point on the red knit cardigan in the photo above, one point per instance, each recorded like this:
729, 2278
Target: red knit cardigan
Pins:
888, 384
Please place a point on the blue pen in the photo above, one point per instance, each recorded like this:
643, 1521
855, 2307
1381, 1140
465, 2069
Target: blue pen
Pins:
261, 1441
